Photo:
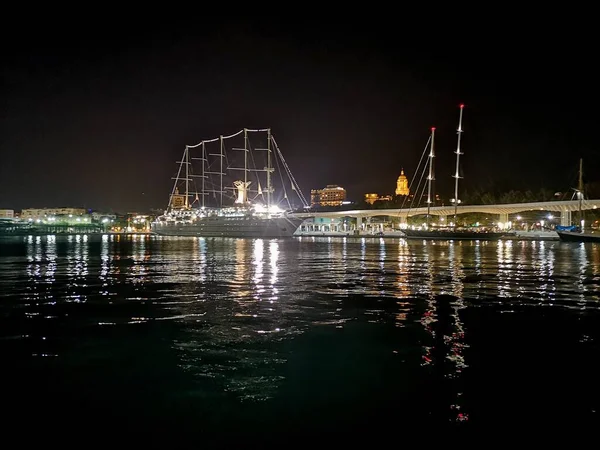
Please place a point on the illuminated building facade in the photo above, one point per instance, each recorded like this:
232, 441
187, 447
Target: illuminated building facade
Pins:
331, 195
7, 213
372, 198
40, 213
402, 184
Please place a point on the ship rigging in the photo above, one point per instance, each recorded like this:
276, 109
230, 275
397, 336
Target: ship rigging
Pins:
235, 185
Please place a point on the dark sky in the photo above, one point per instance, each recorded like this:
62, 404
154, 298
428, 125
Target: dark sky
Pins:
96, 116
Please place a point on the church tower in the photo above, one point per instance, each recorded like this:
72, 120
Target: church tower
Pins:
402, 184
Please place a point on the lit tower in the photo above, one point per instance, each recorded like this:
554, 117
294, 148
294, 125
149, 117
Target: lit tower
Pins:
402, 184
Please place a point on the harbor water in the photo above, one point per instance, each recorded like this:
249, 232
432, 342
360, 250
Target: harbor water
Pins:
348, 336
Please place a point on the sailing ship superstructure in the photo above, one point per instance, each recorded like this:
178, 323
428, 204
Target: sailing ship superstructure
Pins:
451, 232
227, 187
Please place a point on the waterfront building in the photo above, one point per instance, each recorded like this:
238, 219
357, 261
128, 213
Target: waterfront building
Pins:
139, 222
41, 213
331, 195
372, 198
7, 214
104, 217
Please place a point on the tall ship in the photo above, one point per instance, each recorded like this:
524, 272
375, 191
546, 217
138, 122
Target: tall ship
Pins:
451, 232
233, 186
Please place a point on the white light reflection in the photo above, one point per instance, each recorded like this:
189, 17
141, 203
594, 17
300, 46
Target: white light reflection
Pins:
456, 269
140, 257
504, 254
593, 272
51, 258
478, 269
241, 269
545, 274
34, 257
104, 264
456, 338
202, 258
382, 275
372, 276
522, 261
77, 267
258, 256
404, 259
274, 256
426, 289
426, 270
34, 271
582, 259
363, 252
402, 284
81, 256
382, 254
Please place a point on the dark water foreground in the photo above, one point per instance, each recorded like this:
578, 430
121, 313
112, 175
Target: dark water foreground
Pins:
349, 337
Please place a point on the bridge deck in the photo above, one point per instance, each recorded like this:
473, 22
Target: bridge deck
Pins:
513, 208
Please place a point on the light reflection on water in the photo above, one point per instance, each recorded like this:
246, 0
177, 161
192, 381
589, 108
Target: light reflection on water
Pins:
236, 303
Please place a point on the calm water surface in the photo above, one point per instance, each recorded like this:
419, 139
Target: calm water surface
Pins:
318, 334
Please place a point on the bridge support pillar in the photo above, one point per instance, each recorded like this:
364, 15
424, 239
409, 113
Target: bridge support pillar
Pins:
503, 218
565, 218
359, 223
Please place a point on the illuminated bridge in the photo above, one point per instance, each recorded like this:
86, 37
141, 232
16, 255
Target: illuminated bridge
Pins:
564, 208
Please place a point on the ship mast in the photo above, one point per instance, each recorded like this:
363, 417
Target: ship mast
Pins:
221, 171
430, 177
245, 164
269, 171
187, 177
203, 175
175, 190
580, 193
458, 153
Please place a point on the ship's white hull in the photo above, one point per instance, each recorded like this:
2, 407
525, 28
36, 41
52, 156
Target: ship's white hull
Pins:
235, 227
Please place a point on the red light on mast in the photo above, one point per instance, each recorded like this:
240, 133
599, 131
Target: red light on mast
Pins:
432, 128
462, 105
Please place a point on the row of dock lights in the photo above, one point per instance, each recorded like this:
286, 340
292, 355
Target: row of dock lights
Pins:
502, 225
53, 219
77, 219
549, 217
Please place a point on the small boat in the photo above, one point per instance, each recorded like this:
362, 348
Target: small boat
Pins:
574, 233
577, 236
449, 233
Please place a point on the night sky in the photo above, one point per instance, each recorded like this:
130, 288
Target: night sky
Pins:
96, 116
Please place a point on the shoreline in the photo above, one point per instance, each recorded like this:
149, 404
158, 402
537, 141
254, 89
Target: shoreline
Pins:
514, 236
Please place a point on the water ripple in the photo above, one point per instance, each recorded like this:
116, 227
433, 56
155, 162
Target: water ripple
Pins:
228, 309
